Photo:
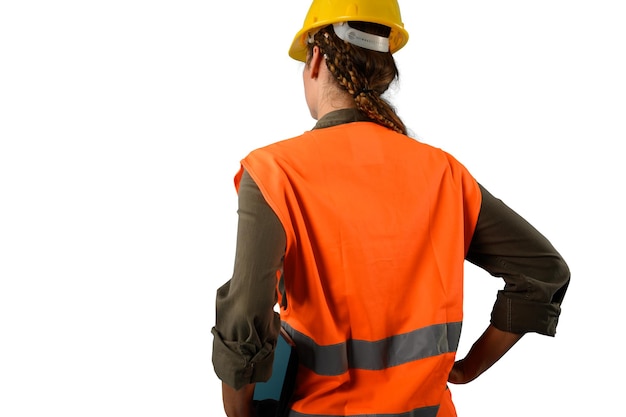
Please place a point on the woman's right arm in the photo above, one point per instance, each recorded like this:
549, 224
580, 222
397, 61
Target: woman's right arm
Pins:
536, 279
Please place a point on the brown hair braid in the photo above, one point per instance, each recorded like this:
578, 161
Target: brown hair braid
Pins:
363, 73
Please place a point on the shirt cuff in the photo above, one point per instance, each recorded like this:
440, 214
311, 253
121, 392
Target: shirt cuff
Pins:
519, 316
236, 367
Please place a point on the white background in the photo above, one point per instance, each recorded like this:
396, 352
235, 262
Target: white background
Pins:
122, 124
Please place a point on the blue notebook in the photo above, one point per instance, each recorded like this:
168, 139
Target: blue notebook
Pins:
272, 397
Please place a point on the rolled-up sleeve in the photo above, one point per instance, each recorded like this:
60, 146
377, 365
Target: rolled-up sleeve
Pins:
247, 327
536, 276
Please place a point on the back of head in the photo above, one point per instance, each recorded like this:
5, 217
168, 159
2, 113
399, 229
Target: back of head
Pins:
357, 39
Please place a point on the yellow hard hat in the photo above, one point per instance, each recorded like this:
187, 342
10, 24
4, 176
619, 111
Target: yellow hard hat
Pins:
326, 12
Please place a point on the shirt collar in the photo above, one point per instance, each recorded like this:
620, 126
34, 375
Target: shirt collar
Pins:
338, 117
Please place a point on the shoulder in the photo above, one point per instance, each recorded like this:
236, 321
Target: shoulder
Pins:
280, 148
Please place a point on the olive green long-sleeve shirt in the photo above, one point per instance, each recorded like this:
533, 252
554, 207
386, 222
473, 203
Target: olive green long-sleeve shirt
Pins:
504, 244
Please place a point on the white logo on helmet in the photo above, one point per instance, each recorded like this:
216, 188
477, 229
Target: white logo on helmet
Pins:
362, 39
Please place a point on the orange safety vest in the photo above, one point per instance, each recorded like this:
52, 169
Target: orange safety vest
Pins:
377, 227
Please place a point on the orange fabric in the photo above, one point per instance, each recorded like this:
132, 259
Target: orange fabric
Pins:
446, 407
377, 228
396, 389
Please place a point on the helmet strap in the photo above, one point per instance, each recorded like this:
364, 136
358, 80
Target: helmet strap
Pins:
360, 38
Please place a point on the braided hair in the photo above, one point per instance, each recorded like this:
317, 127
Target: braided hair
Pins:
363, 73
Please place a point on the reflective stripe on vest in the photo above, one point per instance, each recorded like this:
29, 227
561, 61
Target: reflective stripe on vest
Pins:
360, 354
420, 412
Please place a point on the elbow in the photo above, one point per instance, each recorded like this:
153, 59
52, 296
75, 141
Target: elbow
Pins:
561, 276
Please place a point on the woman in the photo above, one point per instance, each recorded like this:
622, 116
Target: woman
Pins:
360, 234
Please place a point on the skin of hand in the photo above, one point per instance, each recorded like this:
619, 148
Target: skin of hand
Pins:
486, 351
238, 403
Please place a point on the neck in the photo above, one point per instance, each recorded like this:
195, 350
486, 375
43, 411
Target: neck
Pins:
322, 92
331, 97
325, 109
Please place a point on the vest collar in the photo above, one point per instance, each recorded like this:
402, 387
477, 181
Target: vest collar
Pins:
339, 117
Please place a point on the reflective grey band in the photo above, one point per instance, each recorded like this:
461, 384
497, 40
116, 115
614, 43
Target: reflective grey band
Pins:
396, 350
419, 412
362, 39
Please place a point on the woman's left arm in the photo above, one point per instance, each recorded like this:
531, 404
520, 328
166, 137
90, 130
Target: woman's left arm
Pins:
247, 327
238, 403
